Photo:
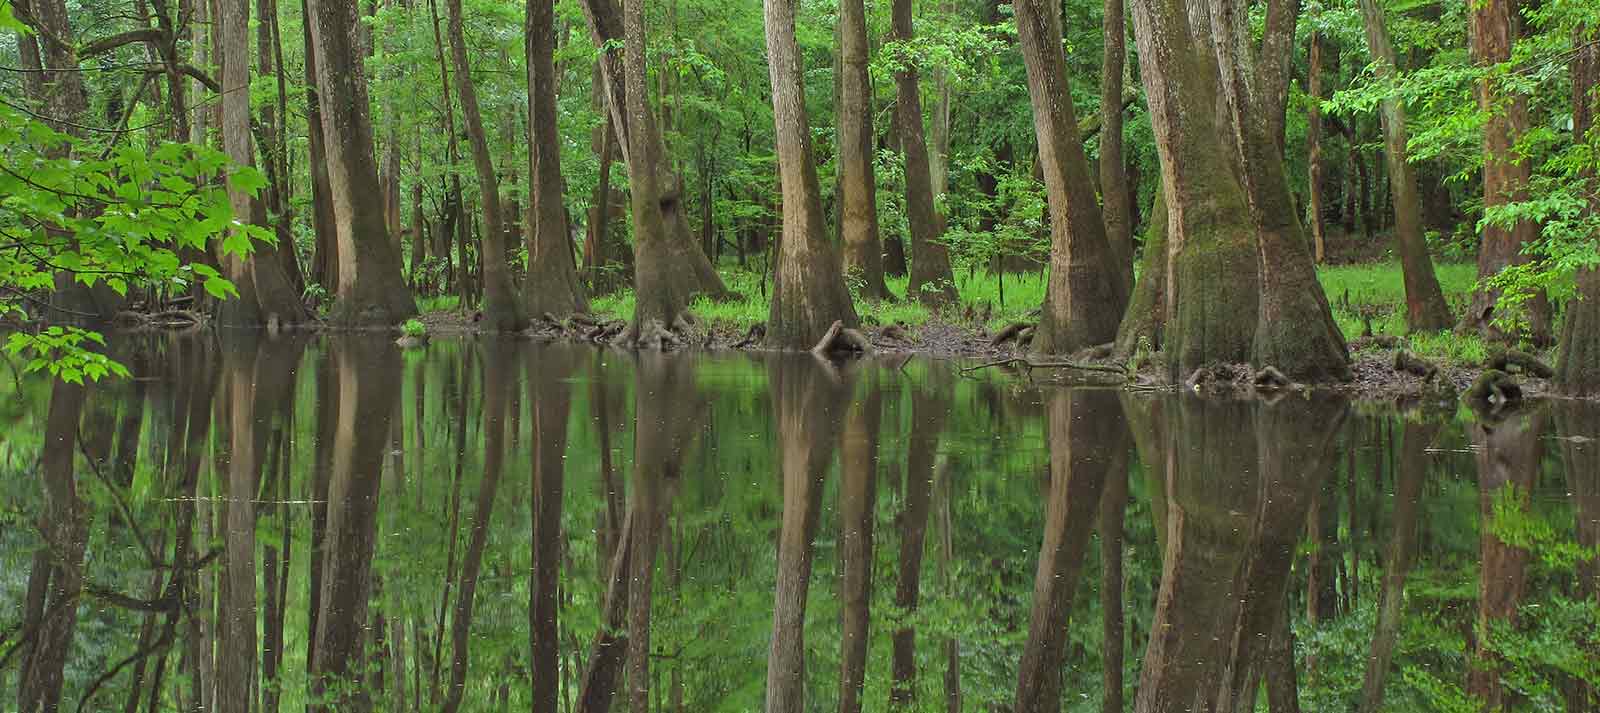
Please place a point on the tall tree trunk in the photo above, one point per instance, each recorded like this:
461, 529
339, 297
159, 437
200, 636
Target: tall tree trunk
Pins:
858, 203
931, 281
1425, 306
1113, 508
1087, 432
325, 246
808, 292
1087, 292
1145, 318
371, 288
1578, 369
1115, 198
550, 395
1319, 238
1212, 271
858, 472
552, 284
265, 294
502, 311
1494, 27
1412, 478
805, 394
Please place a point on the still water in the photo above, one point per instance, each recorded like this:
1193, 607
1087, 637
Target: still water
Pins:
271, 525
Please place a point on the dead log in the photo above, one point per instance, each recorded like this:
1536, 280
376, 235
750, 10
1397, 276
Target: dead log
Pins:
1407, 363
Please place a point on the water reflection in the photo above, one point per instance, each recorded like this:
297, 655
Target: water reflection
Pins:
269, 524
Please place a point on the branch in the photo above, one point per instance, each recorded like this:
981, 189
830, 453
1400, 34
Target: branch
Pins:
200, 76
106, 44
1020, 361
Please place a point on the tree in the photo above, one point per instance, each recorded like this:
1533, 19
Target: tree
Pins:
1087, 291
858, 222
551, 285
931, 280
1578, 371
1115, 199
1494, 29
266, 295
371, 290
1425, 306
808, 293
502, 311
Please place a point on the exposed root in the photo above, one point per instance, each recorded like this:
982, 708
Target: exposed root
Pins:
654, 335
841, 340
1269, 378
1495, 388
1012, 332
1523, 362
178, 319
753, 337
1407, 363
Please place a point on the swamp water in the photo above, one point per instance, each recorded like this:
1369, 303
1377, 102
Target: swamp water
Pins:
494, 525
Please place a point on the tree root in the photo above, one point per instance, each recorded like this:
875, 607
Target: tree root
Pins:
1016, 331
166, 319
1524, 362
842, 340
656, 336
1407, 363
757, 332
1496, 388
1269, 378
1028, 364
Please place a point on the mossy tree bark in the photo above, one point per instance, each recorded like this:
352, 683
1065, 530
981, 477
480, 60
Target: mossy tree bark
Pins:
1295, 330
502, 311
1145, 318
371, 290
1088, 290
1578, 370
931, 280
1494, 28
1115, 198
1425, 306
1212, 272
858, 203
808, 293
552, 284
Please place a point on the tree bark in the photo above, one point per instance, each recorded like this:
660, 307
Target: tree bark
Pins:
808, 293
371, 289
550, 395
931, 281
858, 203
1087, 292
858, 471
1319, 238
805, 394
1578, 369
1114, 194
1146, 316
552, 284
1425, 306
1494, 29
325, 247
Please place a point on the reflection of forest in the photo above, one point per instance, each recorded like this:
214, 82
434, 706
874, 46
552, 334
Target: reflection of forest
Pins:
289, 523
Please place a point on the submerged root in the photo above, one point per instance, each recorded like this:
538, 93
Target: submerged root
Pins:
1512, 360
842, 341
1016, 331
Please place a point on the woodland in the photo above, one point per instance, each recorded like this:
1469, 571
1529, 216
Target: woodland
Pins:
1150, 177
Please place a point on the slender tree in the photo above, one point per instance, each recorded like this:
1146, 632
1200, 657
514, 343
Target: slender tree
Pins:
1319, 241
1115, 198
552, 284
858, 202
931, 280
1087, 292
808, 292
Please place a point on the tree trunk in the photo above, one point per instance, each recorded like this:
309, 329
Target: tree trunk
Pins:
1494, 29
1114, 194
1510, 449
858, 471
550, 395
805, 394
1319, 238
502, 311
1425, 306
1412, 478
266, 295
931, 281
367, 372
1212, 271
1113, 508
858, 203
552, 284
325, 244
1145, 318
1087, 432
1578, 370
808, 292
929, 409
371, 289
1087, 292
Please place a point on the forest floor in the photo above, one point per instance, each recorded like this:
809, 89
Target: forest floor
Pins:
1368, 301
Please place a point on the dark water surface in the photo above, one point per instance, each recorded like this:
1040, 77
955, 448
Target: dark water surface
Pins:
255, 524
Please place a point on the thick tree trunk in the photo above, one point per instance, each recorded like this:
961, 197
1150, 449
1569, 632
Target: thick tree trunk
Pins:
931, 281
1495, 25
858, 472
1510, 449
502, 311
1412, 478
1578, 370
1088, 291
1087, 433
1425, 306
552, 284
1212, 269
808, 292
805, 394
1115, 198
325, 245
858, 203
371, 289
1146, 317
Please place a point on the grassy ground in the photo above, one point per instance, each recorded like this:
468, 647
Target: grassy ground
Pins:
1362, 294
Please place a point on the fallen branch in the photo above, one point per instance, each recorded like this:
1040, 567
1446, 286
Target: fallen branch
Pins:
840, 338
1024, 362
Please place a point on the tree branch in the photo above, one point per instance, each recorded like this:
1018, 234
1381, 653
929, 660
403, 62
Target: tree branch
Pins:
106, 44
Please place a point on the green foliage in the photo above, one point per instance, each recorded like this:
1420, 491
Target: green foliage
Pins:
414, 328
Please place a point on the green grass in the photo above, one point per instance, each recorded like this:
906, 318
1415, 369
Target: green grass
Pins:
438, 303
1376, 292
